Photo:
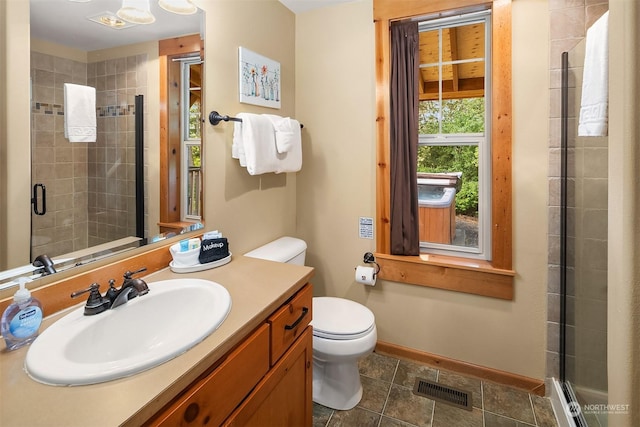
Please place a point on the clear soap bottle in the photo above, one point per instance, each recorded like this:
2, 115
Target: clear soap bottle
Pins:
21, 321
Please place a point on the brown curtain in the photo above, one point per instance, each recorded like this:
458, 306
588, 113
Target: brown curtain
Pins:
405, 238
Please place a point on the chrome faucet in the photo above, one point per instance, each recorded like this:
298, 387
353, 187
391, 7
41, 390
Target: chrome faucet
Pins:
114, 297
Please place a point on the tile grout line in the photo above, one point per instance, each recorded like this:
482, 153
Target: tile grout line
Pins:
433, 408
482, 395
535, 419
484, 422
329, 419
524, 423
533, 409
393, 377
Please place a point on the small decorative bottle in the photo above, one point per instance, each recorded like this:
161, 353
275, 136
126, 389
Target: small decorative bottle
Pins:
21, 320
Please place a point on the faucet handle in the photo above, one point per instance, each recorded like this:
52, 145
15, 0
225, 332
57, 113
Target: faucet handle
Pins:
95, 303
112, 292
127, 275
92, 289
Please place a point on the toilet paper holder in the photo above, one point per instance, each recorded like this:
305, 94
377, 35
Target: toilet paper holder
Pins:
370, 259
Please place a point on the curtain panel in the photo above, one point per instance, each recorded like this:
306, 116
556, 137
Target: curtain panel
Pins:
404, 227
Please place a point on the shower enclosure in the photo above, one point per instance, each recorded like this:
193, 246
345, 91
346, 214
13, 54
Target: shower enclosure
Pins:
91, 193
583, 257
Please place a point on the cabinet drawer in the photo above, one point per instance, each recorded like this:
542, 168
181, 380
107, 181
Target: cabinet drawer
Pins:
289, 321
211, 399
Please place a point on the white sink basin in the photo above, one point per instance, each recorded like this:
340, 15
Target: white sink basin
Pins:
146, 331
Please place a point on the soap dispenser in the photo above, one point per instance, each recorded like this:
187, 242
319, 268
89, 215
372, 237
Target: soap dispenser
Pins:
21, 320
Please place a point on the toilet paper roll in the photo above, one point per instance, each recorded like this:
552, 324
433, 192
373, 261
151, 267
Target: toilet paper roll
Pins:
366, 275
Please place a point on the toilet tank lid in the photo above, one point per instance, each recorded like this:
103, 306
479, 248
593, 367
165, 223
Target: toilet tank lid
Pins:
283, 249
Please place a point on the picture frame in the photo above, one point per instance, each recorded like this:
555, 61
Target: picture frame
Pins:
259, 79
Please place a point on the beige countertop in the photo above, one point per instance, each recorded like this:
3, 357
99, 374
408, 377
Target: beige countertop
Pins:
257, 288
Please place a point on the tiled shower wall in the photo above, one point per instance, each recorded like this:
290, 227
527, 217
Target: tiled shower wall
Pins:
112, 195
90, 186
570, 20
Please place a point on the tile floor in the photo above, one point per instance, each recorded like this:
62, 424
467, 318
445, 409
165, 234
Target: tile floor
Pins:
388, 401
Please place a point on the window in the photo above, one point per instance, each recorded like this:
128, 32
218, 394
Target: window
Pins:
191, 140
490, 273
454, 156
180, 62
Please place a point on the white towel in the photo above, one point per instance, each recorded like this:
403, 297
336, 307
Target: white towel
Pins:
259, 142
237, 147
288, 143
287, 132
595, 86
79, 113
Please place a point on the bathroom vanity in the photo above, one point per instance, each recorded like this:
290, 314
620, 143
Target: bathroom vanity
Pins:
255, 369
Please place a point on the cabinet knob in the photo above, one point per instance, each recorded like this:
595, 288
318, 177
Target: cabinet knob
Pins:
191, 413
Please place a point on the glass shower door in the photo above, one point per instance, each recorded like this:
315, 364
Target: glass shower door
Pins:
584, 215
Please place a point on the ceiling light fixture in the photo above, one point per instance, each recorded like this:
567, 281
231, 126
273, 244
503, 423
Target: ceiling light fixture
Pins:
181, 7
110, 20
136, 11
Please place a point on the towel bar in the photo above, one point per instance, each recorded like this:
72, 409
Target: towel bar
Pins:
215, 118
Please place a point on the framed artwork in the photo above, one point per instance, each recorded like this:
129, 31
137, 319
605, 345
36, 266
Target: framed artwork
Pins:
259, 79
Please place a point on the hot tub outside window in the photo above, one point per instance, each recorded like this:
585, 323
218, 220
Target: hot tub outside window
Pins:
437, 207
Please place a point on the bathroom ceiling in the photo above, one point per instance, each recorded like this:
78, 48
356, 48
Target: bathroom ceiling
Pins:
298, 6
65, 22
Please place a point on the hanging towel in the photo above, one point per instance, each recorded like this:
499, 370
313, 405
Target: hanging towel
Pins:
288, 143
79, 113
287, 133
259, 144
237, 147
595, 86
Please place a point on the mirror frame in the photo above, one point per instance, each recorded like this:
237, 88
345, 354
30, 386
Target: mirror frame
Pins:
43, 281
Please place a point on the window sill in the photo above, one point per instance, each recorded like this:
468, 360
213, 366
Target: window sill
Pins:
445, 272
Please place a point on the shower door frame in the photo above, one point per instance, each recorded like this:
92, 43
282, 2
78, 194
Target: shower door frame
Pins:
572, 405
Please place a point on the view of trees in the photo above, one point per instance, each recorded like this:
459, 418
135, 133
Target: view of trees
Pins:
459, 116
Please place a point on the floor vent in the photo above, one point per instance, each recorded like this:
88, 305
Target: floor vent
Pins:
444, 394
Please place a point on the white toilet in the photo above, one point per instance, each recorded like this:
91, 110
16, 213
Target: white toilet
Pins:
343, 331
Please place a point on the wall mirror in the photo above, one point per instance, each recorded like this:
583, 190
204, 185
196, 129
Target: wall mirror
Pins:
92, 200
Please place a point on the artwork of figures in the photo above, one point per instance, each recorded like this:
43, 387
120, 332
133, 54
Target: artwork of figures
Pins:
259, 79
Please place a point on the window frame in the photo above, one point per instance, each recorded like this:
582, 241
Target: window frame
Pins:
492, 278
480, 140
170, 135
187, 142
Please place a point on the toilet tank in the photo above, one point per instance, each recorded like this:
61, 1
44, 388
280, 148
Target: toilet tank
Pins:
285, 249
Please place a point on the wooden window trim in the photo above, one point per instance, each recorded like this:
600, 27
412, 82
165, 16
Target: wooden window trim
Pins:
170, 137
489, 278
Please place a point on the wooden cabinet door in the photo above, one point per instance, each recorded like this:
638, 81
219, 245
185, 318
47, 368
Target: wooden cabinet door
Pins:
213, 398
284, 396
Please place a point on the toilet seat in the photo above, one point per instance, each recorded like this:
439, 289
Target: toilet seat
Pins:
341, 319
